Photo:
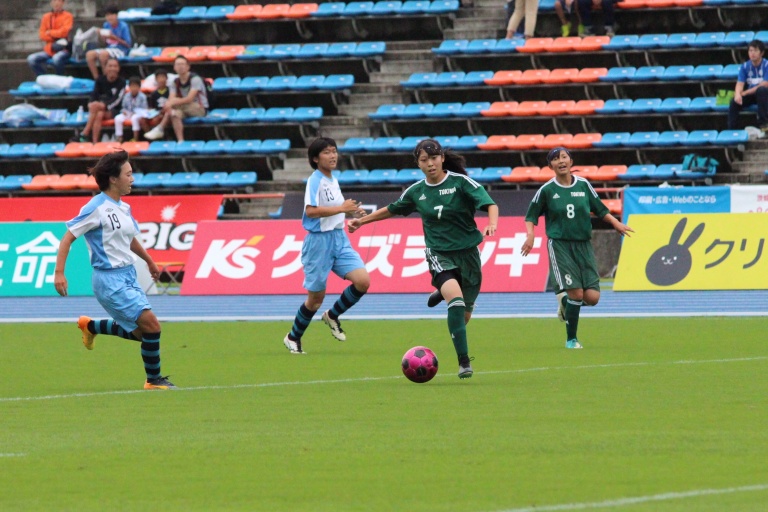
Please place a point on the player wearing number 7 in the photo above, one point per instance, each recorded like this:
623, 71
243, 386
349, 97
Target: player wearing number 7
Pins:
566, 202
447, 200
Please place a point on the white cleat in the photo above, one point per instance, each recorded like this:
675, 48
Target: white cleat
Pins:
335, 326
560, 307
293, 346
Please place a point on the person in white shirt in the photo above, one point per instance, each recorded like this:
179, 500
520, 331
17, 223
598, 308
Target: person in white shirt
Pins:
112, 236
134, 109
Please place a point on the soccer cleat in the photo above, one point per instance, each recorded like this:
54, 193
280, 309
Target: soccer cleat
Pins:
560, 307
434, 299
88, 336
465, 369
159, 383
335, 326
574, 343
293, 346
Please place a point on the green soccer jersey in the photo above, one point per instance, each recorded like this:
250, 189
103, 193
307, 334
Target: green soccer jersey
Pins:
566, 209
447, 211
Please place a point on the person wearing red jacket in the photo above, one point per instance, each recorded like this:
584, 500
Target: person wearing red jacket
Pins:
54, 29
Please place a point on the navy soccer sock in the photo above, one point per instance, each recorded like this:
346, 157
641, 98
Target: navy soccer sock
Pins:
301, 322
150, 354
349, 298
110, 327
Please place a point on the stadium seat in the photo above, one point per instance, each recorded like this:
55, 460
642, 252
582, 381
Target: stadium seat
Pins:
608, 173
526, 141
448, 79
21, 150
338, 82
504, 77
277, 114
306, 114
677, 73
312, 50
245, 146
618, 43
358, 8
190, 13
480, 46
561, 76
369, 49
407, 176
419, 80
15, 182
169, 54
329, 9
186, 147
386, 144
507, 45
409, 143
226, 53
492, 174
644, 105
473, 109
219, 115
702, 104
389, 111
529, 108
451, 46
729, 137
557, 108
521, 175
252, 83
701, 137
256, 51
385, 7
301, 10
671, 105
279, 83
356, 144
649, 41
443, 6
622, 74
154, 180
476, 78
584, 140
672, 138
708, 39
532, 76
554, 140
274, 146
615, 106
587, 75
544, 174
415, 7
446, 141
284, 51
638, 172
615, 206
226, 83
159, 148
642, 139
74, 150
730, 72
218, 12
679, 40
211, 179
470, 142
248, 115
182, 180
612, 140
352, 177
200, 53
665, 171
497, 143
646, 73
584, 171
68, 182
445, 110
214, 147
535, 45
240, 179
340, 50
500, 109
585, 107
41, 182
563, 44
47, 149
380, 176
273, 11
706, 71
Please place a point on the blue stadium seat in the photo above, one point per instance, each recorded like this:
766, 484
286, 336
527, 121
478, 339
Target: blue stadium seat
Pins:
762, 35
389, 111
240, 179
380, 176
284, 51
352, 177
647, 73
26, 89
187, 147
220, 115
245, 146
670, 105
481, 46
252, 83
356, 144
415, 7
738, 39
665, 171
312, 50
15, 181
474, 172
476, 78
618, 43
643, 105
21, 150
226, 83
702, 104
386, 144
708, 39
358, 8
215, 147
492, 174
679, 40
701, 137
211, 179
154, 180
384, 7
47, 149
273, 146
730, 72
730, 137
327, 9
470, 142
72, 119
443, 6
339, 50
190, 13
137, 177
134, 13
256, 51
4, 149
248, 115
218, 12
158, 148
280, 83
638, 172
642, 139
277, 114
707, 71
612, 140
419, 80
409, 143
306, 114
507, 45
277, 213
447, 141
445, 110
649, 41
309, 82
417, 110
182, 180
369, 49
672, 138
55, 117
615, 106
677, 73
546, 5
451, 47
473, 108
407, 176
338, 82
622, 74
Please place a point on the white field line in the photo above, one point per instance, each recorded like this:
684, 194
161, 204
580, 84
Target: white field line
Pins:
369, 379
12, 455
636, 500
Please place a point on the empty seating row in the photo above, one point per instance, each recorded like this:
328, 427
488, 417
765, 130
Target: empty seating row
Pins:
259, 51
295, 11
608, 173
594, 43
359, 144
660, 4
283, 83
151, 180
77, 87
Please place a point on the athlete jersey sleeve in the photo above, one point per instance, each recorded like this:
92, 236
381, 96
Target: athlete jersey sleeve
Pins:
537, 207
311, 196
477, 194
86, 221
595, 204
405, 205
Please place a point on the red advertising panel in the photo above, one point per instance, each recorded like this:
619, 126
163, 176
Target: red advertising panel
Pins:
168, 223
264, 257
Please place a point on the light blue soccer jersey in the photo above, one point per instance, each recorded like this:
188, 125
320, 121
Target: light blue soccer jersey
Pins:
752, 75
322, 191
109, 228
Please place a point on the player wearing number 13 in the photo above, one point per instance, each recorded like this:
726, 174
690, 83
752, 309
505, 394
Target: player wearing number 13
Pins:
566, 202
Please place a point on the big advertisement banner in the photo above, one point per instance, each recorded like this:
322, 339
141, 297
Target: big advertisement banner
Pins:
167, 223
264, 257
749, 199
645, 200
695, 252
28, 259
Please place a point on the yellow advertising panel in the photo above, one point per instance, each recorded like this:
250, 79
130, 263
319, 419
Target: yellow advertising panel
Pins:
719, 251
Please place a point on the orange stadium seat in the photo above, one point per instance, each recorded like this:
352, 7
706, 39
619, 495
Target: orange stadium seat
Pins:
89, 184
688, 3
200, 53
301, 10
245, 12
545, 174
74, 150
497, 142
615, 206
592, 43
585, 140
561, 76
170, 53
100, 149
589, 75
134, 148
273, 11
529, 108
532, 76
609, 172
41, 182
557, 108
585, 171
659, 3
504, 77
535, 45
69, 182
521, 174
224, 53
563, 44
554, 140
585, 107
632, 4
500, 109
527, 141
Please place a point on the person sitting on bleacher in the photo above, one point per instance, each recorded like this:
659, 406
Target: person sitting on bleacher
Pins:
187, 98
156, 101
134, 109
754, 74
105, 101
585, 13
54, 29
116, 36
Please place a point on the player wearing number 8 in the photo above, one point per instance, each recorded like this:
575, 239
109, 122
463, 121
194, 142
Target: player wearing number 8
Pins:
447, 200
566, 201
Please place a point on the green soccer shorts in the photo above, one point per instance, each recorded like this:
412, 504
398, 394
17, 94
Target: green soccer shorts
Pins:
572, 265
466, 262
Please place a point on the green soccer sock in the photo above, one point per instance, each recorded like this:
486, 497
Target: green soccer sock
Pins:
457, 326
572, 310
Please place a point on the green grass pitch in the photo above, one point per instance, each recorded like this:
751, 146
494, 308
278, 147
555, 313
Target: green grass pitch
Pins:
671, 411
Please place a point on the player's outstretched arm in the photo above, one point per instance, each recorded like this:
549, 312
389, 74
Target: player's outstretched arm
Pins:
380, 214
139, 251
493, 220
59, 280
622, 229
529, 239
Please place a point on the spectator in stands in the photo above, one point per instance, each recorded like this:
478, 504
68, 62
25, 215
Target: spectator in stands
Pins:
754, 75
509, 8
134, 109
156, 101
565, 13
566, 203
188, 98
106, 99
585, 12
523, 8
54, 30
326, 246
117, 37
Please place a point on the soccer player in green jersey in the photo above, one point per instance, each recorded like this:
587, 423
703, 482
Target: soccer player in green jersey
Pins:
566, 202
446, 199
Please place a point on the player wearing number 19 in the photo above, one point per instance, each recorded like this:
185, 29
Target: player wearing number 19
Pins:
447, 200
111, 233
566, 202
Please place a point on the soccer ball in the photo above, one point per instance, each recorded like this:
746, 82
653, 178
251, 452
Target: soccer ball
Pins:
419, 364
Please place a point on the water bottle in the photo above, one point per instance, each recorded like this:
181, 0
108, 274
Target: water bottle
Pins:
79, 113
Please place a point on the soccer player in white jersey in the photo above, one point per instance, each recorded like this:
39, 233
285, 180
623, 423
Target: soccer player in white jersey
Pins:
111, 233
326, 247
